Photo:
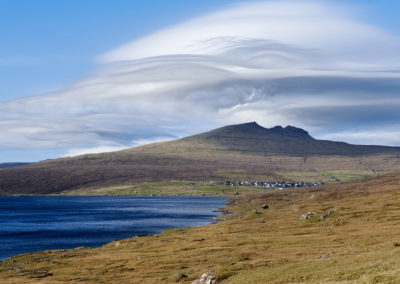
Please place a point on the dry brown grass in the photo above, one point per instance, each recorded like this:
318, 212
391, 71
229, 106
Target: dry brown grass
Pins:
361, 236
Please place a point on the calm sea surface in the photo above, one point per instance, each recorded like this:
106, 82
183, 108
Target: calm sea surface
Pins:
30, 224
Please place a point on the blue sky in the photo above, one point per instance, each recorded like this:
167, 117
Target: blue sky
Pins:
47, 44
52, 51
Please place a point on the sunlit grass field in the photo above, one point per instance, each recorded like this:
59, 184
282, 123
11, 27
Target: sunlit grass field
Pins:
356, 242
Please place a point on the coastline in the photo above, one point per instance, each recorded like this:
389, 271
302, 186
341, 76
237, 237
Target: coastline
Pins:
256, 244
143, 231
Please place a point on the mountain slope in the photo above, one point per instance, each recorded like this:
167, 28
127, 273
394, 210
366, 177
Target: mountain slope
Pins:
11, 165
253, 138
244, 151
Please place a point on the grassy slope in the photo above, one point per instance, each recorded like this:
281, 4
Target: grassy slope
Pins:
246, 152
251, 246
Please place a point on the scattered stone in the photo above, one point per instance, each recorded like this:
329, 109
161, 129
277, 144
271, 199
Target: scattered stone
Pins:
206, 278
117, 244
180, 275
265, 206
304, 217
307, 215
326, 256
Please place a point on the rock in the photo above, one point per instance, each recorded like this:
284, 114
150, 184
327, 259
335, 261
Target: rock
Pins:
206, 278
265, 206
304, 217
307, 215
180, 275
326, 256
117, 244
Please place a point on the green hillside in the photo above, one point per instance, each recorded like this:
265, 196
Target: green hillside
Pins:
245, 151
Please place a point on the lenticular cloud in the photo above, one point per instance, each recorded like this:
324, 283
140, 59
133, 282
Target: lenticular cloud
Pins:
307, 63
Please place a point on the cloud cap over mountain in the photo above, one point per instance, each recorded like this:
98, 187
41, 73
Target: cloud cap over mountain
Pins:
311, 64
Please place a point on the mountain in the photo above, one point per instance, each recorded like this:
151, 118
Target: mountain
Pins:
245, 151
253, 138
11, 165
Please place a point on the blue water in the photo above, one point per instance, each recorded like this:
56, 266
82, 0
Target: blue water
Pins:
29, 224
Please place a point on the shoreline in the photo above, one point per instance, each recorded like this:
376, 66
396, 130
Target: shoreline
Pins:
211, 220
349, 229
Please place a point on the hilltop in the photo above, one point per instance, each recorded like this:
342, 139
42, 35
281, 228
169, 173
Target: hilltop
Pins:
244, 151
291, 141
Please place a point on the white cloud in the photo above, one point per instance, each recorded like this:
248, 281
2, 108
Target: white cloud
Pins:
92, 150
307, 63
385, 136
112, 147
311, 24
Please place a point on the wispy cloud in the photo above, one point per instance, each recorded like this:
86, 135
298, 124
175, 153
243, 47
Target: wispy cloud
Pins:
311, 64
113, 147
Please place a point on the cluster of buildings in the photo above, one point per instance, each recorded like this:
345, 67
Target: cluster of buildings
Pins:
267, 184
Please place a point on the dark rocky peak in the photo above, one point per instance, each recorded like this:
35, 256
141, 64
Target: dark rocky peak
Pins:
277, 128
243, 128
289, 131
296, 130
249, 126
253, 130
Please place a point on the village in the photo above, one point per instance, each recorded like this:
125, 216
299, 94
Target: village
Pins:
267, 184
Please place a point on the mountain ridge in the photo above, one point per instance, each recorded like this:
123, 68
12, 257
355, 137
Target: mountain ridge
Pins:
287, 140
246, 151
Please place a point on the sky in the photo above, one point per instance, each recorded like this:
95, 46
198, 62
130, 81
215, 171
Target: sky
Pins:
96, 75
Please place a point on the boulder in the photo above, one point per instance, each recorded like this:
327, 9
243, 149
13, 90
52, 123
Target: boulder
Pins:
326, 256
180, 275
206, 278
308, 215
